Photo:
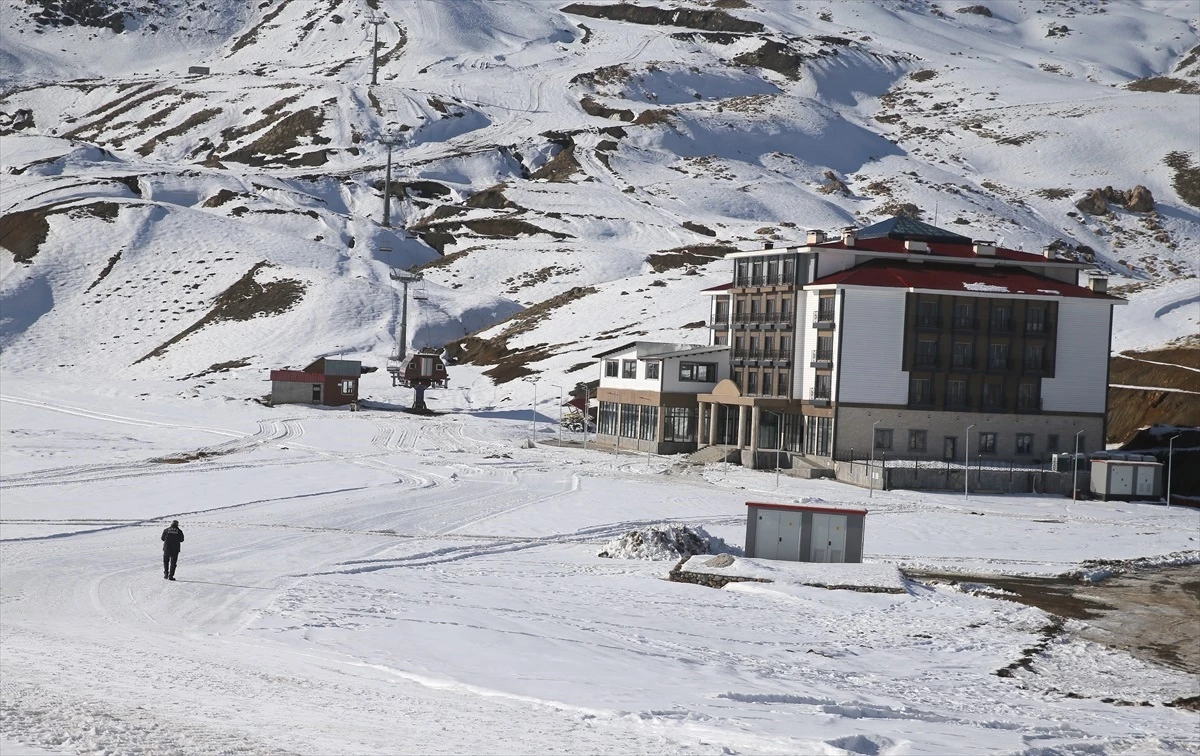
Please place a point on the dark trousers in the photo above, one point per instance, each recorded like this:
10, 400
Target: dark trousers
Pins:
169, 560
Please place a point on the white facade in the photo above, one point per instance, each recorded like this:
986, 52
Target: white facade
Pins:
1080, 382
871, 358
669, 360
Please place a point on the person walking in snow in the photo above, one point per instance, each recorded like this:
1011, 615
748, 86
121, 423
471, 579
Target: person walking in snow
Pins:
171, 538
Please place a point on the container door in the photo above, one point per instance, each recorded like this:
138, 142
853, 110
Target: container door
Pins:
766, 534
819, 550
1121, 482
789, 536
1145, 480
316, 393
837, 538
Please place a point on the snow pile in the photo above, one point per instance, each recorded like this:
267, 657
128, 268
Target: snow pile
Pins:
879, 576
1098, 570
662, 542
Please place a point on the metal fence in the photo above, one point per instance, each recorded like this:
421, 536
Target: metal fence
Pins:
984, 475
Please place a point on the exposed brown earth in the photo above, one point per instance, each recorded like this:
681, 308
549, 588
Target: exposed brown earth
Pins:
244, 300
1130, 409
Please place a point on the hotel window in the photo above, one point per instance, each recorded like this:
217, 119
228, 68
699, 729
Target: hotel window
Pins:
993, 395
963, 356
1001, 318
825, 309
781, 384
964, 315
607, 421
1027, 395
679, 424
737, 378
916, 440
629, 418
1052, 442
927, 352
652, 371
698, 372
883, 438
629, 368
648, 423
768, 345
785, 307
920, 391
347, 387
998, 356
1033, 357
1035, 319
956, 394
927, 314
1024, 443
610, 368
821, 388
785, 347
987, 443
752, 382
756, 273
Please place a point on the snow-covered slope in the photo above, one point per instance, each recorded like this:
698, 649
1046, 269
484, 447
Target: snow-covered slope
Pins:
141, 202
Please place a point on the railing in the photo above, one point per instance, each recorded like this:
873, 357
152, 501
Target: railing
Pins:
1038, 327
924, 321
958, 402
999, 364
1029, 404
994, 404
966, 324
964, 362
823, 319
926, 360
1003, 325
819, 395
821, 358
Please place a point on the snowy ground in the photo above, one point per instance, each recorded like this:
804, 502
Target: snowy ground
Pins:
380, 583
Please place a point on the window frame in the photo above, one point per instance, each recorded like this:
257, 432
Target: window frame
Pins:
653, 370
612, 368
986, 443
917, 441
1024, 440
882, 440
709, 370
629, 370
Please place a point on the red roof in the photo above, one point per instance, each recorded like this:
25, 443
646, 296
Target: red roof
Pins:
296, 376
936, 249
721, 287
960, 278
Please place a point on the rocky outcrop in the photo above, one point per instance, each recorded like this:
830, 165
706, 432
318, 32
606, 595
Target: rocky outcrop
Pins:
1097, 201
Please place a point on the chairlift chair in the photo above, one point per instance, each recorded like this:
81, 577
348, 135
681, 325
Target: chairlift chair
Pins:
420, 292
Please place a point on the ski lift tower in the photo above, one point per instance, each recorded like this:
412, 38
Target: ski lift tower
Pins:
395, 362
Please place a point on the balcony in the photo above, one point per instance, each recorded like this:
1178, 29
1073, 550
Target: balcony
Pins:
929, 322
823, 320
996, 365
819, 396
1038, 327
1001, 325
963, 362
720, 322
966, 324
821, 358
928, 361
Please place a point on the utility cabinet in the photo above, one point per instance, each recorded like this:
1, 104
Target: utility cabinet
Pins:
804, 532
1127, 479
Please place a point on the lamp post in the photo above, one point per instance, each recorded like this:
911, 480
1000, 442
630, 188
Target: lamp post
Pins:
587, 405
967, 464
560, 406
871, 466
1170, 463
533, 413
725, 456
1075, 470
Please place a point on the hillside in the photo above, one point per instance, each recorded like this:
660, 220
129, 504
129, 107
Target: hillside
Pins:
588, 161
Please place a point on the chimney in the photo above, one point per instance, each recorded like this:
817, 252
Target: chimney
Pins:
1048, 252
1098, 283
849, 235
816, 237
913, 245
984, 248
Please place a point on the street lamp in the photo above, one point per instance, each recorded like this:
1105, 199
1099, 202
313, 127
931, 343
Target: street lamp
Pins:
779, 445
967, 464
560, 406
533, 414
725, 433
871, 466
1170, 463
1075, 471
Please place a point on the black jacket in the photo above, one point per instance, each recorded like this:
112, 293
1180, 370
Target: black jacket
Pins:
171, 538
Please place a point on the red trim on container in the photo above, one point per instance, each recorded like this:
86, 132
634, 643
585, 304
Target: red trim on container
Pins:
296, 376
807, 508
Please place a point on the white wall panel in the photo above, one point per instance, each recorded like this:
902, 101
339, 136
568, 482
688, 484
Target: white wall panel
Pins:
872, 347
1080, 382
